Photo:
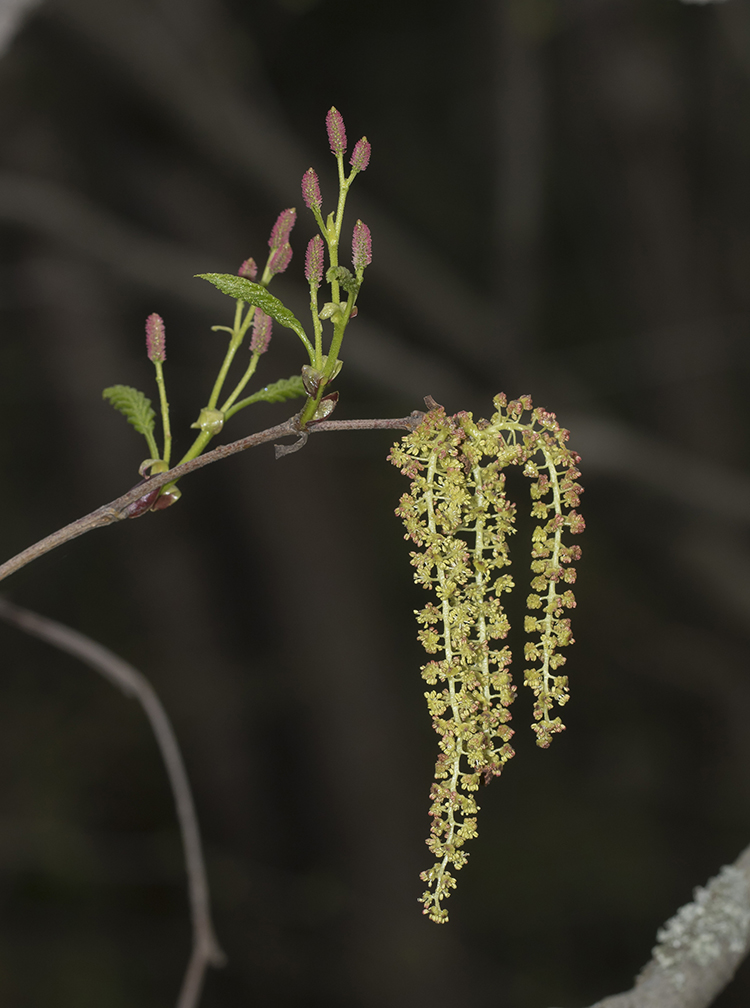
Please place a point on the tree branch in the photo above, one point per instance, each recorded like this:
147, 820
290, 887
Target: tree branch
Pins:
206, 950
699, 948
129, 505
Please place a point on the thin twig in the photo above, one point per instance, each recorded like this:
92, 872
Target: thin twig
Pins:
126, 506
206, 950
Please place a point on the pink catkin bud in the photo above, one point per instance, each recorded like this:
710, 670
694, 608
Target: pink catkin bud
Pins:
280, 259
282, 229
360, 155
248, 269
361, 246
311, 190
155, 338
336, 131
314, 262
261, 332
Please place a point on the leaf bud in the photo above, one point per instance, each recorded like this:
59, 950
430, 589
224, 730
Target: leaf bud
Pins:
261, 337
314, 261
152, 466
326, 406
336, 131
142, 505
361, 246
280, 259
282, 229
249, 269
155, 339
336, 367
360, 155
330, 309
210, 421
165, 500
311, 190
311, 379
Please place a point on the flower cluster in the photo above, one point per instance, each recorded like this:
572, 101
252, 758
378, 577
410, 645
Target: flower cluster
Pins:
281, 250
255, 306
155, 338
459, 517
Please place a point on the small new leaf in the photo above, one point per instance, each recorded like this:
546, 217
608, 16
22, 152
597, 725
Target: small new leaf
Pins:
254, 294
345, 277
134, 406
279, 391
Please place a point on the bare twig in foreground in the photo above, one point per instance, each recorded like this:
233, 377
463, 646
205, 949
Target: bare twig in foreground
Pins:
126, 505
206, 951
699, 949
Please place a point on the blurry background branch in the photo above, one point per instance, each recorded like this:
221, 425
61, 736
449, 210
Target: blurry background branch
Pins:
206, 950
12, 13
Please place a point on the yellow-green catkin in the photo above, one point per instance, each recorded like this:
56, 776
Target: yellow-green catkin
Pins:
458, 516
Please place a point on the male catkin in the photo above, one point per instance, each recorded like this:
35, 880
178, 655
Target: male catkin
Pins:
458, 516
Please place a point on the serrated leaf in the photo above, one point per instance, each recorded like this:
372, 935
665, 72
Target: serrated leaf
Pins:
345, 277
245, 290
134, 406
279, 391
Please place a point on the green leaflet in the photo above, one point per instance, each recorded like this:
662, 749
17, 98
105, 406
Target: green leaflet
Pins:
279, 391
134, 406
345, 277
254, 294
285, 388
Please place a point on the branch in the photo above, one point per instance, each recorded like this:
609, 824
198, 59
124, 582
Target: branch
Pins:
130, 504
206, 951
699, 948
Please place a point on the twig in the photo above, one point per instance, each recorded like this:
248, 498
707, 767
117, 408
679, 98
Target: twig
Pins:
699, 948
608, 447
127, 506
206, 951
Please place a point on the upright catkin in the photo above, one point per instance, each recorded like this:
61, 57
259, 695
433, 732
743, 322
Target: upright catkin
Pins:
458, 516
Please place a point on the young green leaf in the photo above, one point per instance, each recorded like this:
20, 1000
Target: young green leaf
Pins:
136, 409
134, 406
255, 294
279, 391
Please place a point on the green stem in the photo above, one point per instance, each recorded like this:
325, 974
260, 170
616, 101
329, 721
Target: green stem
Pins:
308, 411
248, 319
196, 448
234, 345
458, 743
344, 184
547, 636
153, 448
238, 331
242, 383
338, 336
241, 405
317, 326
334, 239
164, 412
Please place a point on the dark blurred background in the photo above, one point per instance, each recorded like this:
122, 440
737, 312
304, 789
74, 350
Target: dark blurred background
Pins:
559, 196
